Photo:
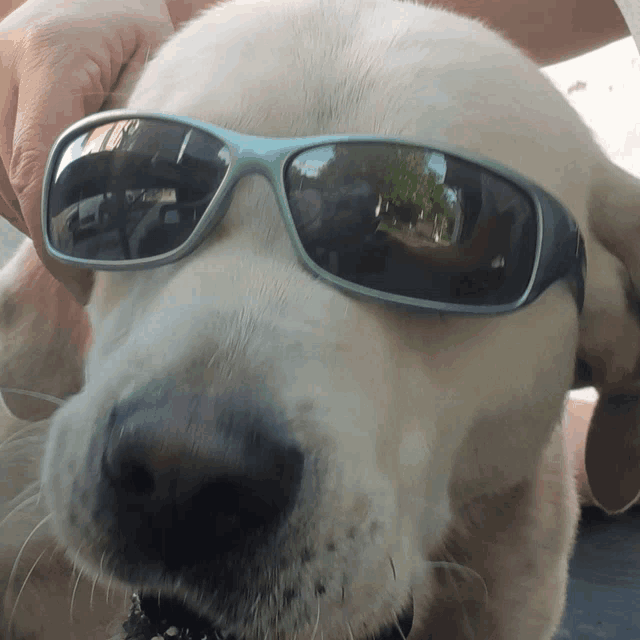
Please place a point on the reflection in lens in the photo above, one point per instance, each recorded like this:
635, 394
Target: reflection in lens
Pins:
133, 189
413, 222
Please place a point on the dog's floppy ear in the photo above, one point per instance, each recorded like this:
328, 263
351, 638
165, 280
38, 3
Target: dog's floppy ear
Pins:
612, 456
610, 338
44, 334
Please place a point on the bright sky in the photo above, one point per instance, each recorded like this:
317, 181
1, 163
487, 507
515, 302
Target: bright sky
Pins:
610, 102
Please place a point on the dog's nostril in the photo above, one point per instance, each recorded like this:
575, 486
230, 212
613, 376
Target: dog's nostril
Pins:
232, 506
583, 375
126, 464
136, 479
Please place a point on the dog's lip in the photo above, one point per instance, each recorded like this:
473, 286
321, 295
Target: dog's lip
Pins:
147, 620
153, 616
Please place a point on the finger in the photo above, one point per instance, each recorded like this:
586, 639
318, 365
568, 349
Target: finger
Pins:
57, 88
119, 94
31, 148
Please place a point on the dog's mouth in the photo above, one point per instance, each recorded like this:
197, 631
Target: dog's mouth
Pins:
153, 618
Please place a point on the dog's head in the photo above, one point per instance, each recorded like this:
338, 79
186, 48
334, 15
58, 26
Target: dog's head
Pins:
280, 455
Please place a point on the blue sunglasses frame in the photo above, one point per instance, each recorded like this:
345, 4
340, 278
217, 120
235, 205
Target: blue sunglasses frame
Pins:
559, 255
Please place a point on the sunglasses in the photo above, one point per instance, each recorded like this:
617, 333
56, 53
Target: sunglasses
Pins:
429, 227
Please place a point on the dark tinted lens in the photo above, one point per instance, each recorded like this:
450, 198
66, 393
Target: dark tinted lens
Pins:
132, 189
413, 222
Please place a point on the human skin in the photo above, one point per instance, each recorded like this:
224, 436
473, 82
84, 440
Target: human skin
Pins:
549, 31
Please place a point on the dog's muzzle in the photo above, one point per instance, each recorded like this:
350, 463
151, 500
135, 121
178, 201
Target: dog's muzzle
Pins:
194, 500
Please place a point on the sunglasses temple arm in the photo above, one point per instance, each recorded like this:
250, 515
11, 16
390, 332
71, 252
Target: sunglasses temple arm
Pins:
562, 255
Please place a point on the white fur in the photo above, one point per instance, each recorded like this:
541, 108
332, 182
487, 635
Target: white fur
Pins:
436, 438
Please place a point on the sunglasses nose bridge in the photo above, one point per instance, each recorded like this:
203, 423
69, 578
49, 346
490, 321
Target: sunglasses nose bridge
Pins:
263, 157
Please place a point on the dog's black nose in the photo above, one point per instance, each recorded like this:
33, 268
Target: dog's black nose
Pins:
186, 479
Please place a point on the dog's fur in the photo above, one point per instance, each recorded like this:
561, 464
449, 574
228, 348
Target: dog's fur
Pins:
435, 464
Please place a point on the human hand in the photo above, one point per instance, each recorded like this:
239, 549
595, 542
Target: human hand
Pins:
59, 62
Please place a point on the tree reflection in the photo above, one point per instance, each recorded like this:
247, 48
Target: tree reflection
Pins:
411, 196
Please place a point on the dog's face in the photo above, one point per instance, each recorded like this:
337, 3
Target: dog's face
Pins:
249, 439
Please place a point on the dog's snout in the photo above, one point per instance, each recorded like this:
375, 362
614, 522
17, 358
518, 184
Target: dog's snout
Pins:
195, 478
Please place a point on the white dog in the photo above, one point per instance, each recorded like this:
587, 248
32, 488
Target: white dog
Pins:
425, 482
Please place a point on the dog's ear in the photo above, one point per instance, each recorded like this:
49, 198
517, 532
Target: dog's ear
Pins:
610, 338
44, 334
612, 456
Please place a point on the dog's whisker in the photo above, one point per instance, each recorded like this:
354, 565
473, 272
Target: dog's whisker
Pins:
56, 549
22, 588
350, 630
73, 595
34, 394
19, 440
393, 568
465, 616
21, 506
315, 628
21, 433
254, 606
109, 585
93, 587
398, 627
39, 495
75, 558
212, 360
18, 557
75, 566
444, 564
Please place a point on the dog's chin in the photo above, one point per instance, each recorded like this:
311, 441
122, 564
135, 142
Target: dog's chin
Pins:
157, 618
